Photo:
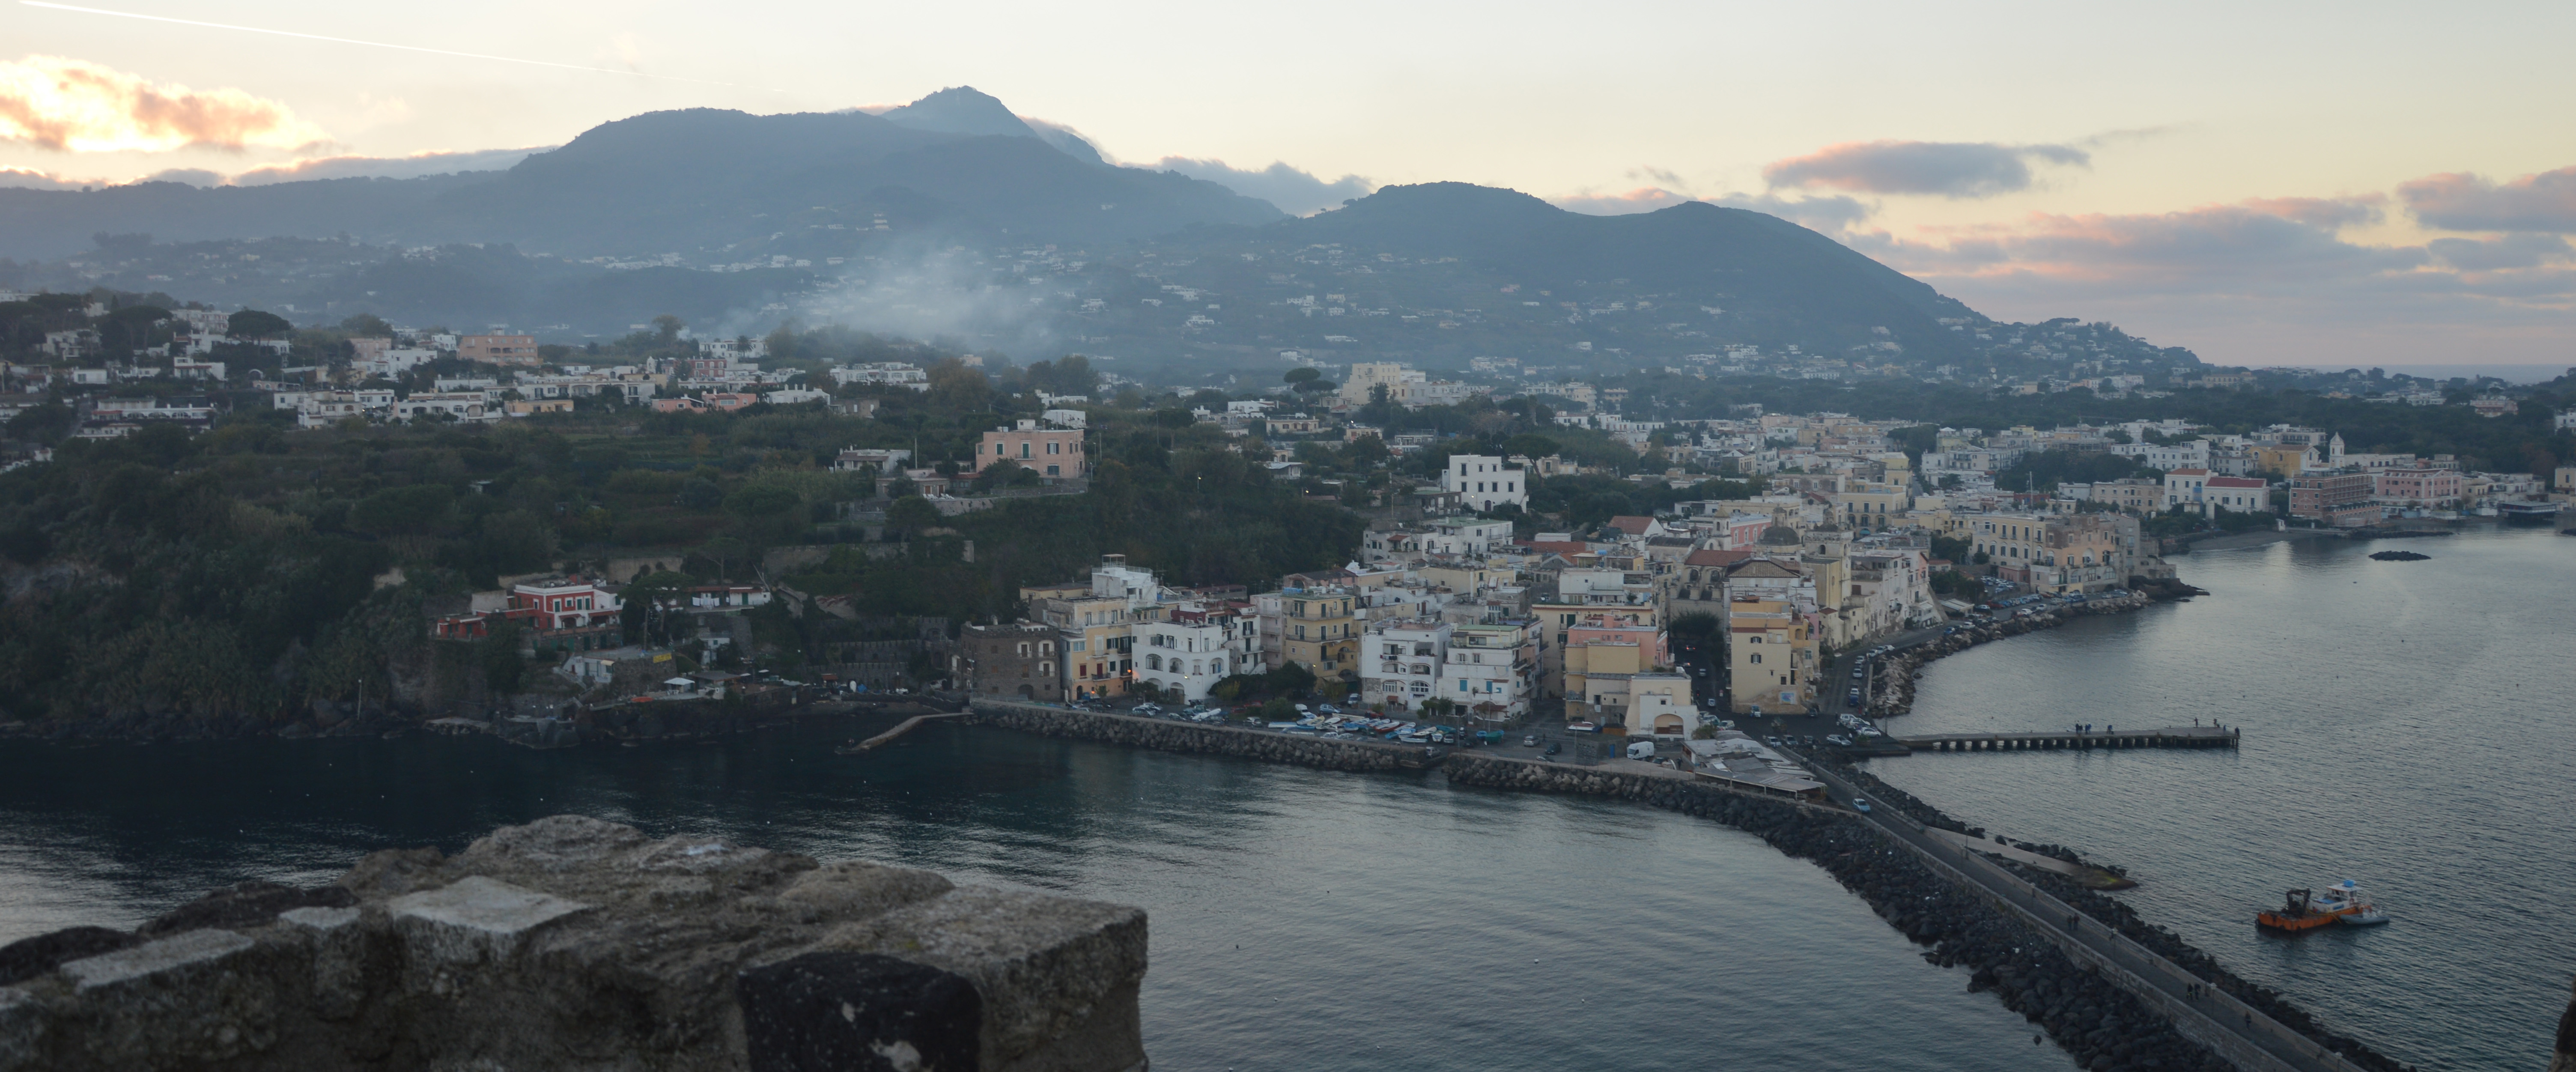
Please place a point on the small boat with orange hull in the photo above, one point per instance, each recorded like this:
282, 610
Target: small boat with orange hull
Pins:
2307, 910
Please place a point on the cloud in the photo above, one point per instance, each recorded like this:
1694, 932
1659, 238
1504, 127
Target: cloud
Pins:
22, 179
2463, 201
1950, 169
77, 106
2505, 252
1295, 192
384, 167
1828, 214
2259, 281
1641, 199
2260, 244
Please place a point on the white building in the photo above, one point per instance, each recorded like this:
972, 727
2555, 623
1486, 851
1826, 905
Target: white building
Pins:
1188, 655
462, 405
895, 373
1401, 662
1482, 482
1491, 670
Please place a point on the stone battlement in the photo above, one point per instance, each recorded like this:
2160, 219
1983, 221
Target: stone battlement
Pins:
573, 943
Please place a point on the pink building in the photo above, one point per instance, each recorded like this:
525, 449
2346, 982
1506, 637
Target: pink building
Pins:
2417, 487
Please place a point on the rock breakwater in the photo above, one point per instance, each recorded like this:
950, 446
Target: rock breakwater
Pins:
2103, 1026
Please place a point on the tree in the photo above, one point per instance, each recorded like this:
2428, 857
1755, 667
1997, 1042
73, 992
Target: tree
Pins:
724, 551
367, 326
667, 328
504, 669
1302, 375
911, 514
957, 386
646, 597
1529, 445
411, 510
254, 324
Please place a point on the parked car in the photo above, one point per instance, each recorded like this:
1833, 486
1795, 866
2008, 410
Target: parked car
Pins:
1529, 740
1554, 747
1860, 803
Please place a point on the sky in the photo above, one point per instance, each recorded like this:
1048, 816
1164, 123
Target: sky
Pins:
2284, 183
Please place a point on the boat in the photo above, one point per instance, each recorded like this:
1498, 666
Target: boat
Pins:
2307, 910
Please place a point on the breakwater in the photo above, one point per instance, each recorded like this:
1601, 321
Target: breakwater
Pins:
2116, 916
2102, 1024
1166, 736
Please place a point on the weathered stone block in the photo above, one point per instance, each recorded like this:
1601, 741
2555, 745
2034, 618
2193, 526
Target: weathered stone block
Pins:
577, 945
858, 1012
471, 922
339, 950
1059, 976
186, 1000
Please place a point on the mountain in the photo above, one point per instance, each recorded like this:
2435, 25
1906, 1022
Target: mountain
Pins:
965, 110
1455, 269
696, 182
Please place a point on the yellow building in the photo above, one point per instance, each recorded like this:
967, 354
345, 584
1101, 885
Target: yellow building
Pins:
1318, 629
1771, 654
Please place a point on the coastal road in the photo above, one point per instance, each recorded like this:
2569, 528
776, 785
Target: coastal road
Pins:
2179, 993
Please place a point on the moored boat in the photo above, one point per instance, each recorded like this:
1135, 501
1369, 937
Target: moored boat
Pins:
2306, 910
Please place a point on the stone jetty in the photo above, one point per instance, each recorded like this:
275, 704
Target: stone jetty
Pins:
576, 944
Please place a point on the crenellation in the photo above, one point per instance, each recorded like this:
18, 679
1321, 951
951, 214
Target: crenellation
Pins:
573, 943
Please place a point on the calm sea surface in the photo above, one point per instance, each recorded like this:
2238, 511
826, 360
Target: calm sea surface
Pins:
1300, 919
2409, 725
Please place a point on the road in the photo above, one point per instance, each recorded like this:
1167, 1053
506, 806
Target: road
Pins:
2183, 993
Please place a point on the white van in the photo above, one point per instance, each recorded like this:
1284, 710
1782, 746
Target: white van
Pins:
1641, 749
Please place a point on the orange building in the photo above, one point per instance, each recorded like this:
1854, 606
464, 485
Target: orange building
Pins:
498, 349
1046, 451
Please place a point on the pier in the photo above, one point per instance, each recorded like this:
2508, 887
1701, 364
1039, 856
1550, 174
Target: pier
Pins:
2168, 737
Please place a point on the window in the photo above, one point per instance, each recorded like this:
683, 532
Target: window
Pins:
1757, 657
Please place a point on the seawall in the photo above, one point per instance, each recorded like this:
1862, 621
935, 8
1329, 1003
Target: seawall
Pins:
1163, 735
576, 944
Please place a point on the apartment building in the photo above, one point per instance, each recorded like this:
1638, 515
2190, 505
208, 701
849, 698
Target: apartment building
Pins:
1771, 655
2341, 498
1186, 654
1015, 661
1402, 662
1055, 452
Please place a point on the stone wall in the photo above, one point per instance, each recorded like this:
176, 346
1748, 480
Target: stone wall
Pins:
1163, 735
573, 943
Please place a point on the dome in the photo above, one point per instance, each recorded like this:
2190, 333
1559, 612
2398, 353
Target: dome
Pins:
1780, 534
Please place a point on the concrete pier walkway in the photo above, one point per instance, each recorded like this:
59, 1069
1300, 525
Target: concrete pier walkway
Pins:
2167, 737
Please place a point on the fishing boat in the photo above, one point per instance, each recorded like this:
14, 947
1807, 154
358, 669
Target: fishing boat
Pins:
2306, 910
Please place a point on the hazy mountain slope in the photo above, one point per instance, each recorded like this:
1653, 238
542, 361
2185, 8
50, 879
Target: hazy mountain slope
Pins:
1788, 280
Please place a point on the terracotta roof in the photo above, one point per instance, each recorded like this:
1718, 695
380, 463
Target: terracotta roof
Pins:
1559, 547
1633, 526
